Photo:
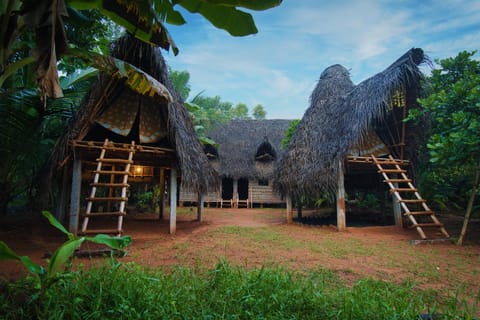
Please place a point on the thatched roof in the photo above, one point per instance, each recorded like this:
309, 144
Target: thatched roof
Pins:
171, 118
339, 117
248, 148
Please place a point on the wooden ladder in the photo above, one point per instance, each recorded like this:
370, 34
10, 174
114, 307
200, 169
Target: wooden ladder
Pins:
414, 206
108, 168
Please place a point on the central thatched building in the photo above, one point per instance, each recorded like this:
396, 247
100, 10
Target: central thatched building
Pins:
244, 157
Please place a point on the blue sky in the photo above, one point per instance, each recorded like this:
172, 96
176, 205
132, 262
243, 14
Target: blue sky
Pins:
279, 67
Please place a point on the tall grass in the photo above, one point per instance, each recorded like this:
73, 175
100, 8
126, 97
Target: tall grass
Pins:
128, 291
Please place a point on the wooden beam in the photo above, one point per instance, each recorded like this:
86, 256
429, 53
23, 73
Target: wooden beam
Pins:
173, 200
289, 209
341, 209
200, 205
75, 196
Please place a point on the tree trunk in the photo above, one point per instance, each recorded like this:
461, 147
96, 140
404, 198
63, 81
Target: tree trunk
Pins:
468, 213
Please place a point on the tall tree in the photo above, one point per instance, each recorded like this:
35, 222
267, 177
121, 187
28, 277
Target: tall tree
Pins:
259, 112
240, 111
180, 81
454, 106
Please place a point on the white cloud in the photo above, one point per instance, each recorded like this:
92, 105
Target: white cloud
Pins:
279, 66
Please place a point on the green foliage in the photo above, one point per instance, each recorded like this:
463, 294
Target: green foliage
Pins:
240, 112
225, 292
259, 112
180, 81
453, 105
46, 277
289, 133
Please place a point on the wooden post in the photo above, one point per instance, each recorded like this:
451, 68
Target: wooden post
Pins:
75, 196
235, 192
397, 209
200, 204
162, 194
289, 209
341, 221
173, 201
62, 202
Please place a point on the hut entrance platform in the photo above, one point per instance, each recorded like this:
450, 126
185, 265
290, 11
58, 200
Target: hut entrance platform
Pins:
151, 166
144, 155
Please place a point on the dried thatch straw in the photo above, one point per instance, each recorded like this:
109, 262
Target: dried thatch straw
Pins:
339, 117
196, 171
244, 144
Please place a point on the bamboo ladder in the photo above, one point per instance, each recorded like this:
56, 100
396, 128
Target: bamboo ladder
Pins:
390, 169
108, 167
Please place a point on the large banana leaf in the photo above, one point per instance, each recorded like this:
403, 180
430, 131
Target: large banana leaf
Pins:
142, 18
136, 79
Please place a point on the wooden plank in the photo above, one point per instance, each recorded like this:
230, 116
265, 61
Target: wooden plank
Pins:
392, 171
112, 172
403, 190
111, 160
419, 213
412, 200
427, 225
106, 213
98, 231
75, 196
107, 199
109, 184
397, 180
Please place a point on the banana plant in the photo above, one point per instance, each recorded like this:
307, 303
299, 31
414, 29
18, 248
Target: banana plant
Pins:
46, 276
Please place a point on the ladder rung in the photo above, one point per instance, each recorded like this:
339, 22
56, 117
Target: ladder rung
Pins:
113, 185
96, 231
107, 199
427, 225
392, 170
111, 160
418, 213
112, 172
98, 214
388, 162
412, 200
397, 180
403, 190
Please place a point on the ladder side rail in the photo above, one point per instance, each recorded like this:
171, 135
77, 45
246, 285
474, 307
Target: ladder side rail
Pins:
124, 189
93, 191
398, 196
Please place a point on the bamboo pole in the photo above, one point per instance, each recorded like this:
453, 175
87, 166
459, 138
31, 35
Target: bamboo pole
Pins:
173, 201
341, 209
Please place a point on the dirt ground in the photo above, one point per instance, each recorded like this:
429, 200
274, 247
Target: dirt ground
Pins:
258, 237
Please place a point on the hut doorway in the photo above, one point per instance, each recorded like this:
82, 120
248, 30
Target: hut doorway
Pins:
227, 188
242, 189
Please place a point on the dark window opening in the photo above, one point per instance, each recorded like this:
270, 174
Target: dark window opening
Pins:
263, 182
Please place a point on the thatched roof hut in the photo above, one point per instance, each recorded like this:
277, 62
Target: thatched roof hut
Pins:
342, 117
173, 124
158, 121
248, 148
